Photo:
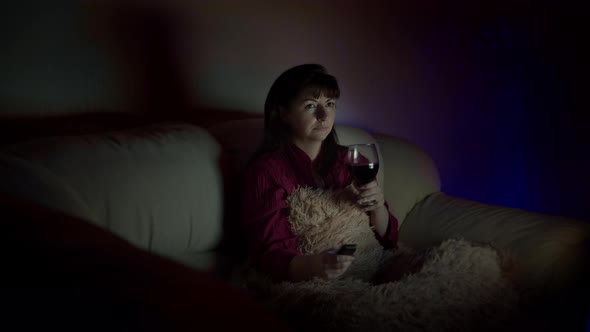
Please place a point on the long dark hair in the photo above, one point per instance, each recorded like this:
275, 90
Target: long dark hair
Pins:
283, 92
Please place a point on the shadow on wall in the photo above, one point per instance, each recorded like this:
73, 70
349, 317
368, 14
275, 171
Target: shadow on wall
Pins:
145, 41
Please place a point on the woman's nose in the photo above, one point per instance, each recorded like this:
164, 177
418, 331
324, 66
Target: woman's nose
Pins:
320, 113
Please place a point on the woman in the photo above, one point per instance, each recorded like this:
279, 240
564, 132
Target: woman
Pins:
300, 148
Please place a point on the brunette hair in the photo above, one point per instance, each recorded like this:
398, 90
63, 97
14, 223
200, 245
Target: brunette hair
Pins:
283, 92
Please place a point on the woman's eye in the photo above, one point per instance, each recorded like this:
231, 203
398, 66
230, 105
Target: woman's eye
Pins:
310, 106
331, 104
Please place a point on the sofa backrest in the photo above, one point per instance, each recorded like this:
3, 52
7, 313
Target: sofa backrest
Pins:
410, 174
162, 189
158, 187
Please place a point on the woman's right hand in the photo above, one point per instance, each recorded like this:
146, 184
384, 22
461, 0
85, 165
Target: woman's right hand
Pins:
330, 265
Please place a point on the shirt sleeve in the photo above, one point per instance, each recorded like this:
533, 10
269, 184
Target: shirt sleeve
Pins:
272, 244
389, 239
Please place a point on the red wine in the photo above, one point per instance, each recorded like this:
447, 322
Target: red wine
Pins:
364, 174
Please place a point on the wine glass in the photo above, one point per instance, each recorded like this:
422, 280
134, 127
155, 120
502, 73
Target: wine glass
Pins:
363, 163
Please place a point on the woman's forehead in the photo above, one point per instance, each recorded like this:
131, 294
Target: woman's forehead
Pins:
315, 92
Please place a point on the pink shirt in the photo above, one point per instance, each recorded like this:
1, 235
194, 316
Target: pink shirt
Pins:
268, 181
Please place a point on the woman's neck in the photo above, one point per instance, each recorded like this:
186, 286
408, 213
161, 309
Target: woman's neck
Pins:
312, 149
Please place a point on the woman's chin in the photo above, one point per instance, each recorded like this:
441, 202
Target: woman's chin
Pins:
319, 136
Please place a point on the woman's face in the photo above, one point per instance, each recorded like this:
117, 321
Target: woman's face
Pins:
311, 119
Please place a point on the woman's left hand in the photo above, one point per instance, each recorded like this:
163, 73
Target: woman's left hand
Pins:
370, 196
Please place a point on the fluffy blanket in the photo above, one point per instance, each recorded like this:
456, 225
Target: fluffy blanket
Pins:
461, 286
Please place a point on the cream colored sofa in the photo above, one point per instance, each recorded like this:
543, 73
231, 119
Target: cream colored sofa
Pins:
162, 188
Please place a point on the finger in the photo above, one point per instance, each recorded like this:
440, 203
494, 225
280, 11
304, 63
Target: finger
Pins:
331, 251
334, 273
343, 265
369, 185
344, 258
371, 201
372, 207
373, 198
338, 267
353, 189
370, 192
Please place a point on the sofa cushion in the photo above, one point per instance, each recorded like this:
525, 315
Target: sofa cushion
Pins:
158, 187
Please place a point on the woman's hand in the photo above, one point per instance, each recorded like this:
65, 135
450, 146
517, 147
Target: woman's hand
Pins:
326, 265
369, 196
330, 265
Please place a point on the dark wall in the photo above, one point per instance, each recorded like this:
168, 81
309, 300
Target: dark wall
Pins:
511, 78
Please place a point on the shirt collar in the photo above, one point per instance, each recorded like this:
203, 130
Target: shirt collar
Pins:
298, 156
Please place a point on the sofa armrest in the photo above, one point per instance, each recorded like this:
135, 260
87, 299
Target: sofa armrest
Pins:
409, 174
61, 272
550, 251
